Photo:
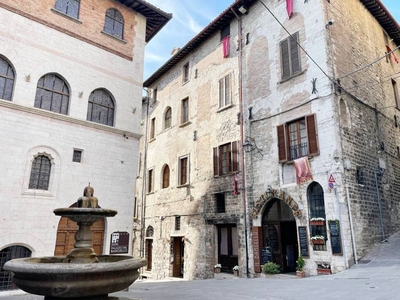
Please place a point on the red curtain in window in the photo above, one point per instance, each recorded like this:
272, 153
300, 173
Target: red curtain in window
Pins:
303, 170
289, 7
394, 55
225, 46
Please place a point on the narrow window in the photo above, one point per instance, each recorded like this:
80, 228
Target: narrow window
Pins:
220, 201
177, 223
360, 179
167, 118
152, 128
185, 111
77, 156
150, 181
315, 195
225, 31
101, 107
396, 93
290, 56
165, 176
40, 173
183, 170
52, 94
114, 23
68, 7
6, 80
155, 95
186, 73
224, 85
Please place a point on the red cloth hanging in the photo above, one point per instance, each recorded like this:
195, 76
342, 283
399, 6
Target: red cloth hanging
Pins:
235, 185
225, 46
289, 7
303, 170
394, 55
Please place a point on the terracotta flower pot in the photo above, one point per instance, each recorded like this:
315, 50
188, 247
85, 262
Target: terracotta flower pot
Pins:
236, 272
318, 242
315, 223
300, 274
321, 271
217, 270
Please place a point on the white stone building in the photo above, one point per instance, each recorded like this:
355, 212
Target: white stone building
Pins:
70, 105
293, 87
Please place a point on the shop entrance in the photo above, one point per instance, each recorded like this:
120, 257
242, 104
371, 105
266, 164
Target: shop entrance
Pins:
279, 234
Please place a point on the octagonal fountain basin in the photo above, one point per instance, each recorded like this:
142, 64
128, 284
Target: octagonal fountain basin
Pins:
55, 279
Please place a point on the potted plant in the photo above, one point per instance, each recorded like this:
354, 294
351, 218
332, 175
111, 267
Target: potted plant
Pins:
236, 270
217, 268
300, 262
323, 268
317, 221
318, 240
271, 268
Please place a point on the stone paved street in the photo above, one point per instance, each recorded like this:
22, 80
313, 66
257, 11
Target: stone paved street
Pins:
376, 277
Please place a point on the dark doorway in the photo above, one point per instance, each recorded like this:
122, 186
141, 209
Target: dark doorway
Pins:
179, 253
6, 255
227, 247
149, 254
279, 233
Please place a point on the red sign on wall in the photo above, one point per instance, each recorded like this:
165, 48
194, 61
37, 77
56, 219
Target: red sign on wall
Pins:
256, 238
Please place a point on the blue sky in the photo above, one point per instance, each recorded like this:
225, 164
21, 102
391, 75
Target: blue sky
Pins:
189, 18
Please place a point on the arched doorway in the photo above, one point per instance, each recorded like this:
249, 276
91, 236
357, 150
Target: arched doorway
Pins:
279, 234
66, 236
5, 255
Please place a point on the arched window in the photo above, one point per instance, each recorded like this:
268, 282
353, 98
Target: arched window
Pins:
52, 94
114, 23
101, 108
165, 177
7, 254
149, 231
6, 80
167, 118
40, 173
316, 203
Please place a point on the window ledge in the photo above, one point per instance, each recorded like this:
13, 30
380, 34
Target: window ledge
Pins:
150, 193
185, 82
293, 76
224, 107
66, 16
183, 185
114, 37
39, 193
152, 140
185, 124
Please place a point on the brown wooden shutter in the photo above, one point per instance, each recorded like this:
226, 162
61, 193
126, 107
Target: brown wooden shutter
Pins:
282, 149
312, 135
216, 161
285, 58
235, 156
294, 54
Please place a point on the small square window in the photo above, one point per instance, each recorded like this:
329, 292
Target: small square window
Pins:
77, 156
220, 199
178, 223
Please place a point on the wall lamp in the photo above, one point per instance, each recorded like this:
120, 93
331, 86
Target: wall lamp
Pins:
250, 145
243, 9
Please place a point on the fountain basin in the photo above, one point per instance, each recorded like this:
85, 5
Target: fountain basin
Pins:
50, 277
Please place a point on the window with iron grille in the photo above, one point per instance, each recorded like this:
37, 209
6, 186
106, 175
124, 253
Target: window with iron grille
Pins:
114, 23
167, 118
224, 86
77, 156
185, 73
7, 254
52, 94
315, 195
177, 223
185, 111
40, 173
6, 80
298, 139
101, 107
220, 201
183, 170
290, 56
165, 177
226, 159
68, 7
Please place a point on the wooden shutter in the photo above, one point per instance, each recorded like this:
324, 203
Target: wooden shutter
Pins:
312, 135
282, 149
216, 161
235, 156
285, 58
294, 54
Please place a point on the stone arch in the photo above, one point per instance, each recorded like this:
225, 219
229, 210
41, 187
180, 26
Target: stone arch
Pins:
280, 194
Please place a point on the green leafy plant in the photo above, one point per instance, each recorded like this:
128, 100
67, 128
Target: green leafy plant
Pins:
300, 262
271, 268
217, 266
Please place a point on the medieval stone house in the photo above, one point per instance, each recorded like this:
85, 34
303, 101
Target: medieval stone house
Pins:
70, 100
273, 132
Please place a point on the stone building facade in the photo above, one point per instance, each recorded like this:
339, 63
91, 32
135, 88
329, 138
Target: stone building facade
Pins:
70, 101
322, 100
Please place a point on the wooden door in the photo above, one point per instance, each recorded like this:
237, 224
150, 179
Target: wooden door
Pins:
177, 270
227, 247
149, 254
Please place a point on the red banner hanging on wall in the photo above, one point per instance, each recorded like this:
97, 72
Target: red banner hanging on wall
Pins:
303, 170
289, 7
225, 46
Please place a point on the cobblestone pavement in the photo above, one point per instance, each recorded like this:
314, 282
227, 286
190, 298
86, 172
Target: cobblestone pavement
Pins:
376, 277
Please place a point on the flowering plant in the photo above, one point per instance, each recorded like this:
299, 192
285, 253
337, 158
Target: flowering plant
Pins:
318, 237
323, 265
217, 266
317, 219
235, 268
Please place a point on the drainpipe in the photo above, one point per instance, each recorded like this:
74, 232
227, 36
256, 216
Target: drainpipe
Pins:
244, 196
379, 207
353, 240
340, 220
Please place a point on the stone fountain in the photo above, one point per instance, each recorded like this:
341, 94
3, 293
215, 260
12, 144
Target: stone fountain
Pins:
81, 274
